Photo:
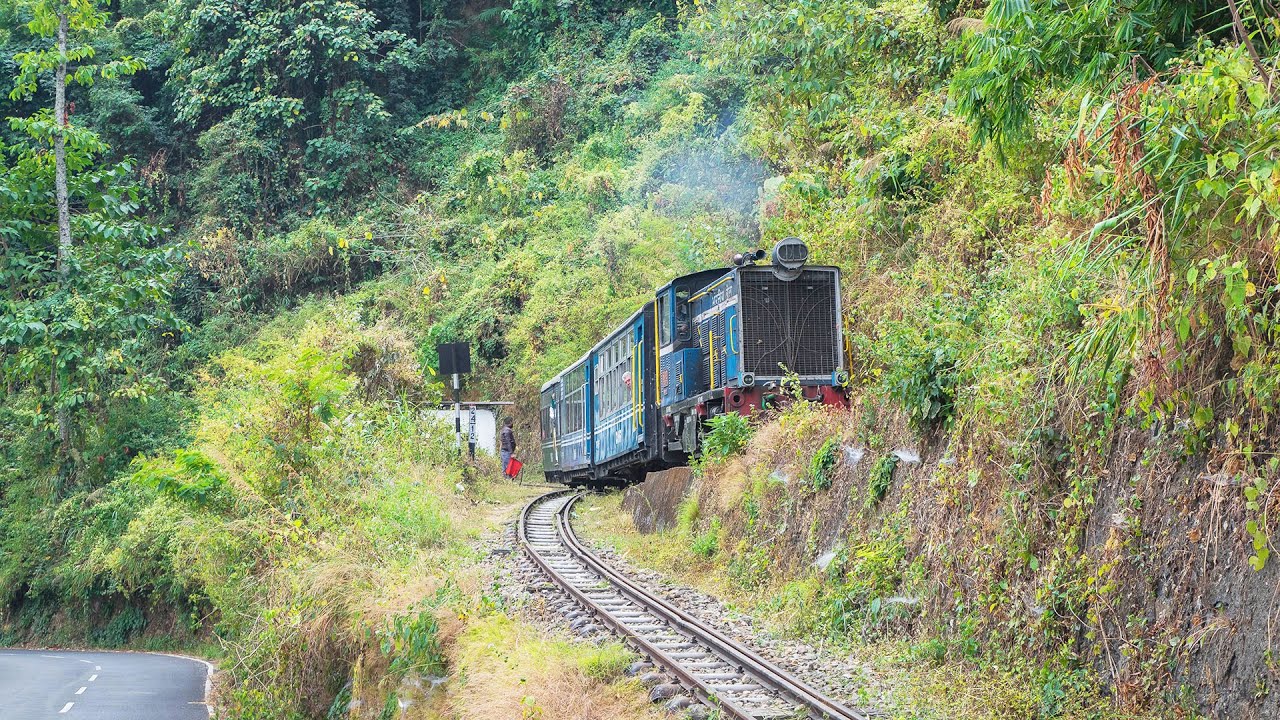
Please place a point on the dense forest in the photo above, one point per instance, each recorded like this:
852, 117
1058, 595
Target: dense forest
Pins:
1057, 224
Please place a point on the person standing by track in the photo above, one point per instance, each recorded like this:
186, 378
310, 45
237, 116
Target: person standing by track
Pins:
506, 444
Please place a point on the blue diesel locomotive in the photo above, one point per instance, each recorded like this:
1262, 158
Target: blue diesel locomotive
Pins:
713, 342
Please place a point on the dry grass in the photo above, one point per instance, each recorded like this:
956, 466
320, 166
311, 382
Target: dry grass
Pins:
512, 671
358, 590
601, 518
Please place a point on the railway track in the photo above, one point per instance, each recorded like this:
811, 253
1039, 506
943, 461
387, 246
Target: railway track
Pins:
706, 666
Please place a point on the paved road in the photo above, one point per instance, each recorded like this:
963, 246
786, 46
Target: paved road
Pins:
57, 685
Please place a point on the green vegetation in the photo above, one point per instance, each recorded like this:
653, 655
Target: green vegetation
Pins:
707, 543
823, 463
1057, 227
728, 435
880, 478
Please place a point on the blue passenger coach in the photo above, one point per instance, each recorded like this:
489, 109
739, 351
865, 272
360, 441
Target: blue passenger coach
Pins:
567, 426
620, 401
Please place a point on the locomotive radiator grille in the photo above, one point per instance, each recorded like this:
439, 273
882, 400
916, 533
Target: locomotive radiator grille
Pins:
711, 340
792, 324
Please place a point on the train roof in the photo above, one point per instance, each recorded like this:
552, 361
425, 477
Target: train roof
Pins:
701, 275
621, 326
560, 375
705, 277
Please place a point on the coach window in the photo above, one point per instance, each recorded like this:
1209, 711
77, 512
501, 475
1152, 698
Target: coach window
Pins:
606, 384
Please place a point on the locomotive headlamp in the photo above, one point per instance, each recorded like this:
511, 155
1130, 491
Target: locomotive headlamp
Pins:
789, 257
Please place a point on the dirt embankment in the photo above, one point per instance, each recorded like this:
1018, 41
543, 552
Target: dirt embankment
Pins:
1136, 564
655, 504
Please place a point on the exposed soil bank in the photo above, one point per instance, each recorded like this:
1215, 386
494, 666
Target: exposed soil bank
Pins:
1139, 571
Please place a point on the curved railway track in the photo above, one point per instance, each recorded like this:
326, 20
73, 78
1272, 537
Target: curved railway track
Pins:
706, 664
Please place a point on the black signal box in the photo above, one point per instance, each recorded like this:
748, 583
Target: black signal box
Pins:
455, 358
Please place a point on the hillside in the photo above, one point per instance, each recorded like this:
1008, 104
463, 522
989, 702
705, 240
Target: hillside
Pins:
1057, 231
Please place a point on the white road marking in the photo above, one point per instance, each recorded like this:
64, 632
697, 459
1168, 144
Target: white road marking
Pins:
66, 708
97, 667
55, 657
90, 662
81, 690
92, 678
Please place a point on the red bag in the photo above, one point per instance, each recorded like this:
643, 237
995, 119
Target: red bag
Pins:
513, 467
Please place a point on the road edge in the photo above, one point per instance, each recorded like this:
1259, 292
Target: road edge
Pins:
209, 667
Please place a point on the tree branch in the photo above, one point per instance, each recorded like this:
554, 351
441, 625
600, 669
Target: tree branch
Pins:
1248, 44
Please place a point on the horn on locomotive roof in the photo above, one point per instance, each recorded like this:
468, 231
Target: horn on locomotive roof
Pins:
741, 259
789, 257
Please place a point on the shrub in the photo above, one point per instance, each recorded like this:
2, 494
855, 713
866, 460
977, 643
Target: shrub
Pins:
750, 565
189, 476
925, 385
729, 434
880, 478
822, 464
413, 644
120, 629
707, 544
687, 514
932, 651
648, 46
874, 571
921, 355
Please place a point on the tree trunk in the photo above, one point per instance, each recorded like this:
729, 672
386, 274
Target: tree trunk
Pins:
60, 188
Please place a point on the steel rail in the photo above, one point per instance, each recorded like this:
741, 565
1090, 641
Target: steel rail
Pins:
659, 656
767, 675
760, 668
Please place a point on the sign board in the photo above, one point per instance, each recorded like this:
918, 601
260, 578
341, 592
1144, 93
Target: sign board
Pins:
485, 429
455, 358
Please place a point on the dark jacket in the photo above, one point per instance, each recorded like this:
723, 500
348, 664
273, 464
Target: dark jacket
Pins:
508, 439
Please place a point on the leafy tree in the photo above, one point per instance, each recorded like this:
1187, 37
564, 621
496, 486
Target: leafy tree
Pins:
301, 94
1026, 46
818, 61
58, 20
74, 326
81, 276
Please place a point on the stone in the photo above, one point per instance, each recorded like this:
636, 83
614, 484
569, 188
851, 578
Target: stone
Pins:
638, 667
677, 703
665, 691
651, 679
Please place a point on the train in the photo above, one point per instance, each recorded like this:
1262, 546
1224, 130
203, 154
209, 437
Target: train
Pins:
712, 342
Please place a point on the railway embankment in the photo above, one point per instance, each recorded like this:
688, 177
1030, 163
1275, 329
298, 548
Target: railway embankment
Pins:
691, 665
1116, 585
